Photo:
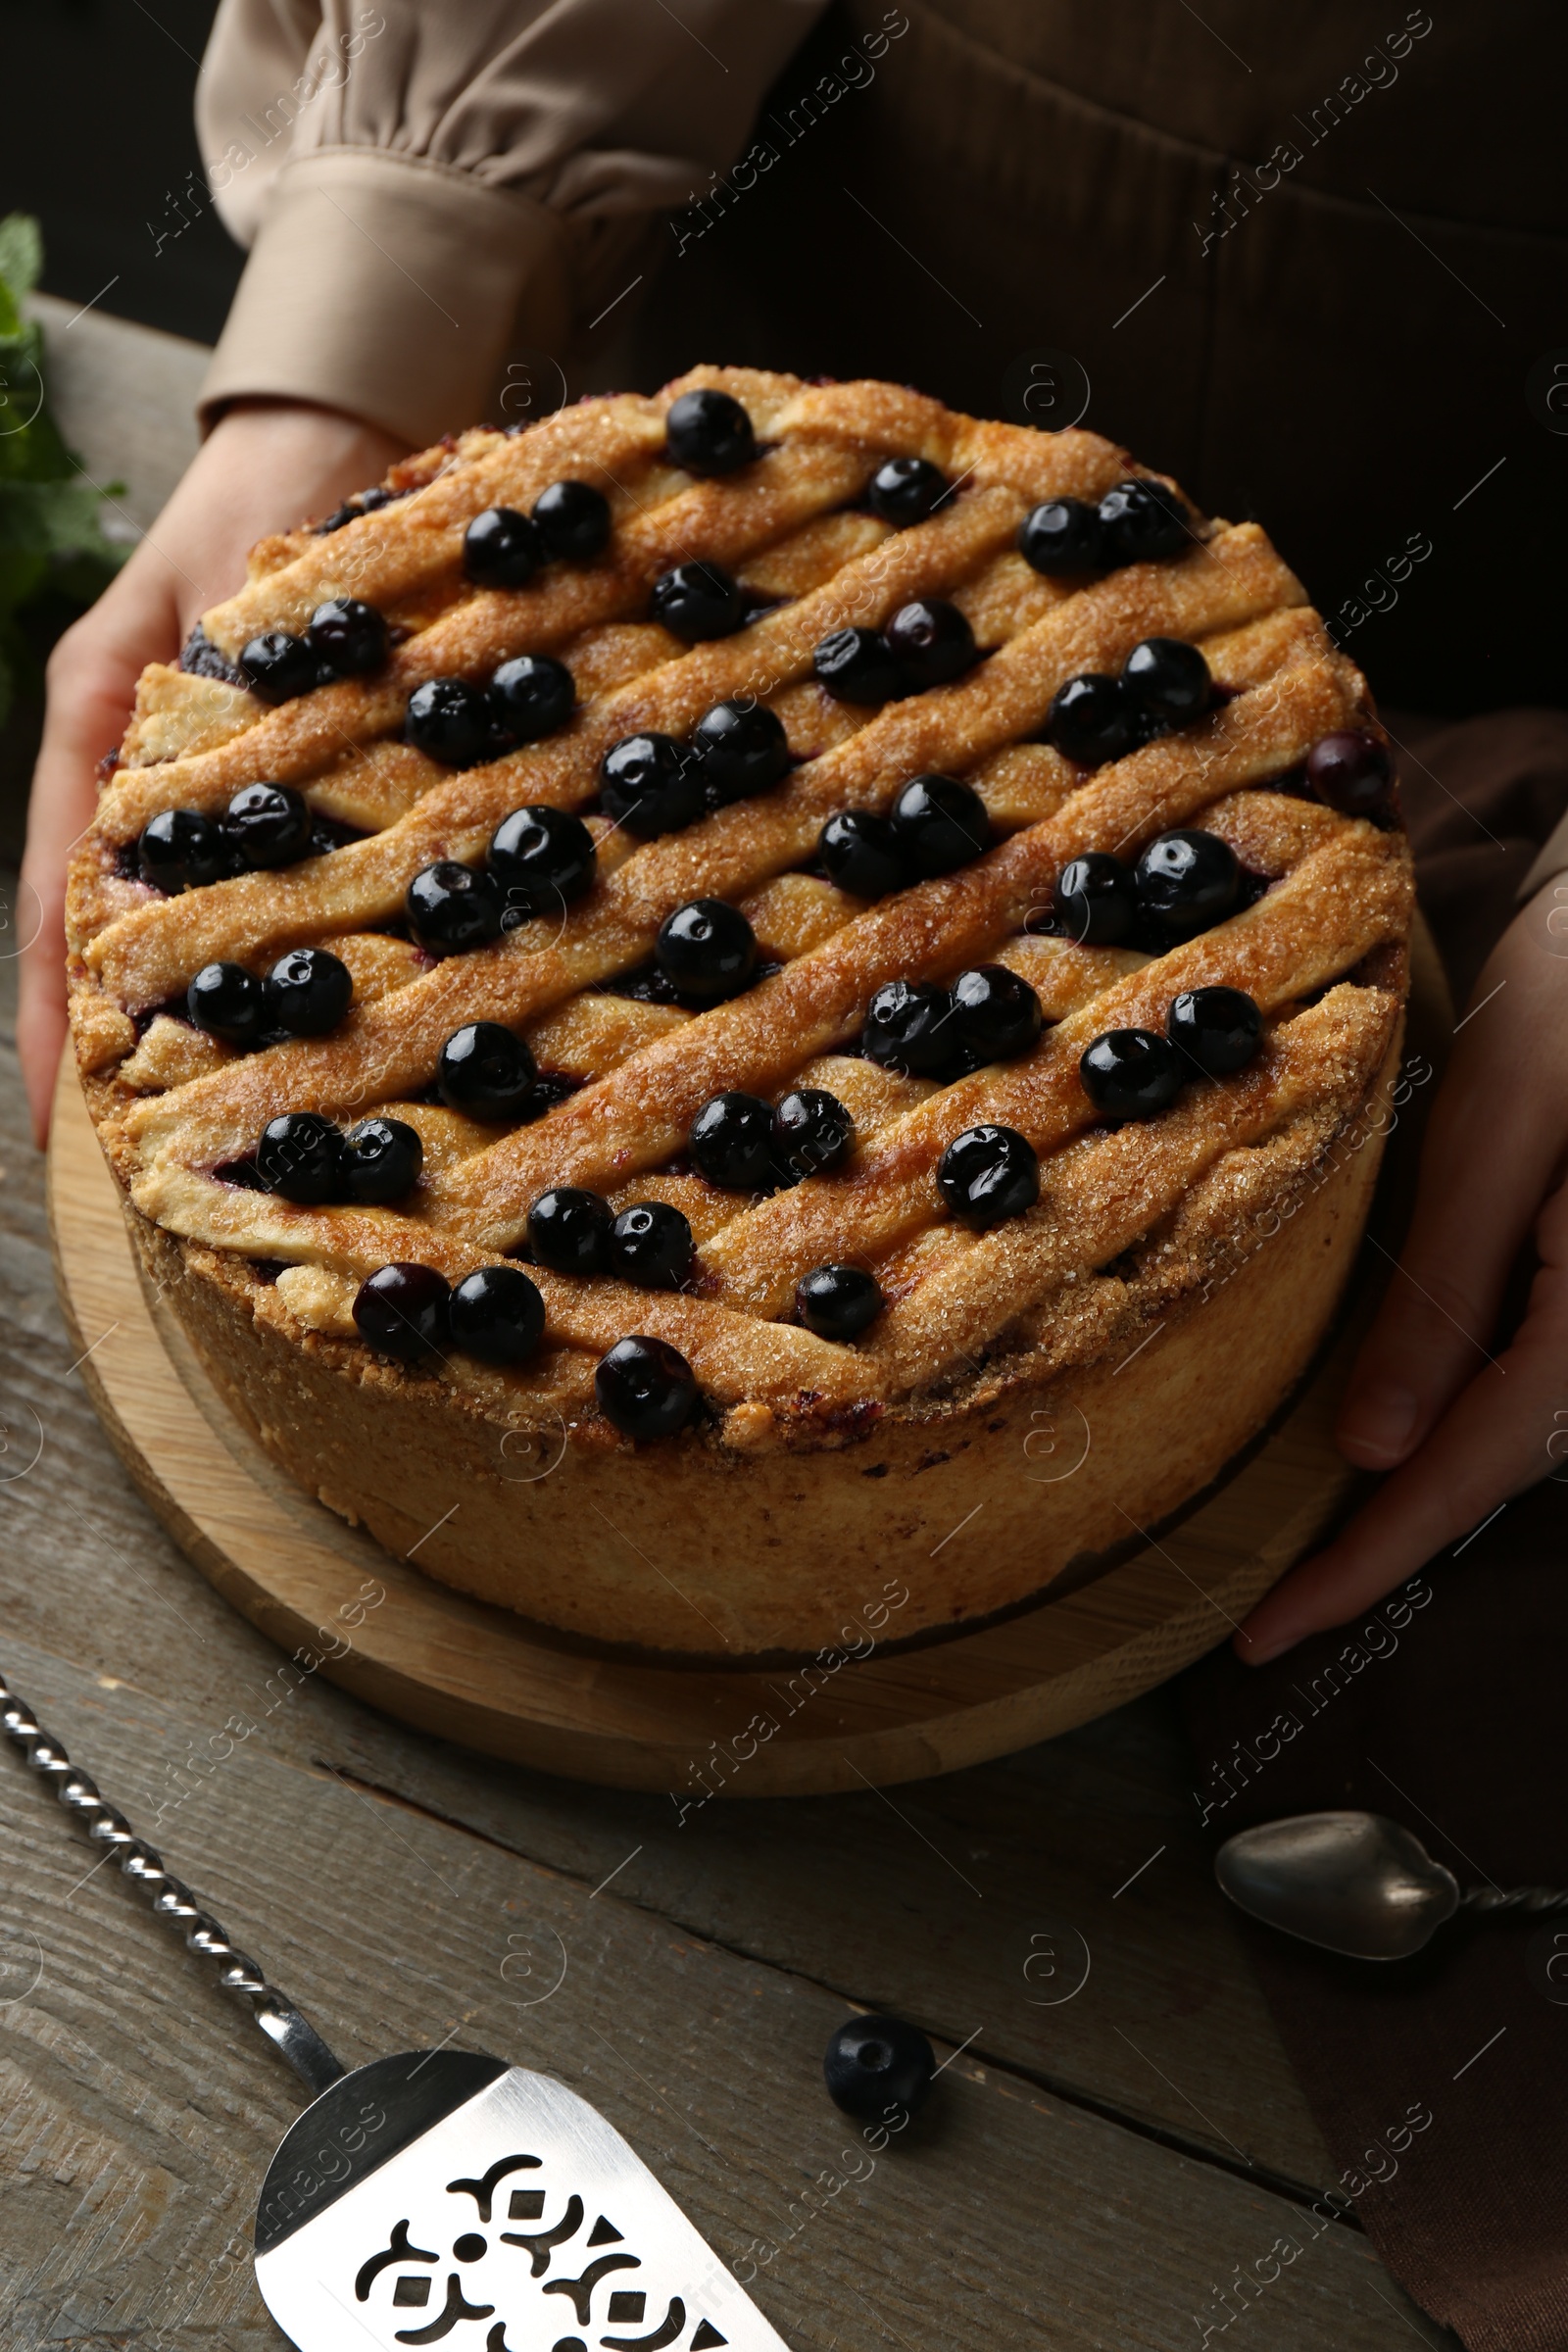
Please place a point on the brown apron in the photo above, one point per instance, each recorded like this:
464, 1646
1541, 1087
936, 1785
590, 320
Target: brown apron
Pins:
1308, 260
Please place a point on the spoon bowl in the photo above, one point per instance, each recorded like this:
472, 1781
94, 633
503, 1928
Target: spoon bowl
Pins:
1353, 1883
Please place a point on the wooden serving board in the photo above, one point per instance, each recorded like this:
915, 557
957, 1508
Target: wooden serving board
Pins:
491, 1681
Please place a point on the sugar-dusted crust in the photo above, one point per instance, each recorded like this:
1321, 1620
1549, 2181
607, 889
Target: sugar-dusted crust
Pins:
815, 1459
971, 1504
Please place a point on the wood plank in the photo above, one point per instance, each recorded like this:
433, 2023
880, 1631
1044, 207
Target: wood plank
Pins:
838, 1889
141, 2113
125, 398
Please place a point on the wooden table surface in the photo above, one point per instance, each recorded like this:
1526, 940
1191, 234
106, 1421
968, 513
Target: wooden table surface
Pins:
1105, 2154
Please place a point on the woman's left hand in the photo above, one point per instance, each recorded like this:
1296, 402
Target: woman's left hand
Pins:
1460, 1424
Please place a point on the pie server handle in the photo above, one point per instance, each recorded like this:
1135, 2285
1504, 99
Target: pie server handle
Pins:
278, 2019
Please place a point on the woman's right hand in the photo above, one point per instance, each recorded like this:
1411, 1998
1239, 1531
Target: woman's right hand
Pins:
265, 468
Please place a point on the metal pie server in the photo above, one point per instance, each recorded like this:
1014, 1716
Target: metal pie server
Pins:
440, 2196
1357, 1883
444, 2198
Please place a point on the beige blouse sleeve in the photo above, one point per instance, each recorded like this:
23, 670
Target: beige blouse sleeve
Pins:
426, 185
1551, 860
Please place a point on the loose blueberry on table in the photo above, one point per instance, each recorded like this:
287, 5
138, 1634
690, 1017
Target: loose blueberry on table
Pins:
268, 824
228, 1001
742, 749
645, 1388
650, 1244
940, 824
570, 1231
875, 2064
989, 1174
696, 602
541, 858
496, 1315
452, 721
1220, 1029
486, 1071
652, 784
381, 1161
300, 1159
706, 949
452, 910
531, 697
860, 854
731, 1142
403, 1310
812, 1133
308, 990
838, 1302
710, 433
1132, 1073
907, 491
1096, 900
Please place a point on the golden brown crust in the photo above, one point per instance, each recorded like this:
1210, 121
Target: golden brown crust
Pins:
1055, 1460
972, 1318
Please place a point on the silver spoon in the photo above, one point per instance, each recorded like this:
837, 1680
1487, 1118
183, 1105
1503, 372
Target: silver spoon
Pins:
1357, 1883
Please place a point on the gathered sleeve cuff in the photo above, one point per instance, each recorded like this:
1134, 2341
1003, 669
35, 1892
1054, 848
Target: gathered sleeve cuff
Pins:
390, 287
426, 185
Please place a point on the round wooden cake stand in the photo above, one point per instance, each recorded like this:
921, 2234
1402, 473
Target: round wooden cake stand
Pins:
478, 1674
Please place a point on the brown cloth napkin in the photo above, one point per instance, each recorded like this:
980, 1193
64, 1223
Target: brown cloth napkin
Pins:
1440, 2083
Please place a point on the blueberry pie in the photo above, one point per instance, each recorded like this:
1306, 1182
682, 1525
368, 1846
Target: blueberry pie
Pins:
747, 990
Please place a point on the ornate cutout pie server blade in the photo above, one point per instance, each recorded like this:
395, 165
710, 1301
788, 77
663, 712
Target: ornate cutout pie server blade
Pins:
440, 2196
1357, 1883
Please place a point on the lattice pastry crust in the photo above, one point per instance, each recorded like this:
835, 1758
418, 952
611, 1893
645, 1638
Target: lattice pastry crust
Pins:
1129, 1216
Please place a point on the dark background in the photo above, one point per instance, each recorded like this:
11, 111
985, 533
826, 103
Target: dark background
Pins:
99, 142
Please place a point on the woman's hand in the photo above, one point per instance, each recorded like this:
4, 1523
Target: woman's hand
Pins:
1460, 1424
265, 468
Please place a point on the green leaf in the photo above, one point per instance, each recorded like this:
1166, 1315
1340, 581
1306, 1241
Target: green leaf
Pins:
56, 518
21, 572
30, 446
20, 254
51, 516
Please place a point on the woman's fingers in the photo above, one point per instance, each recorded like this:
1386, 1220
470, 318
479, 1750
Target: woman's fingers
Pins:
1506, 1429
1494, 1143
265, 468
92, 684
1437, 1314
